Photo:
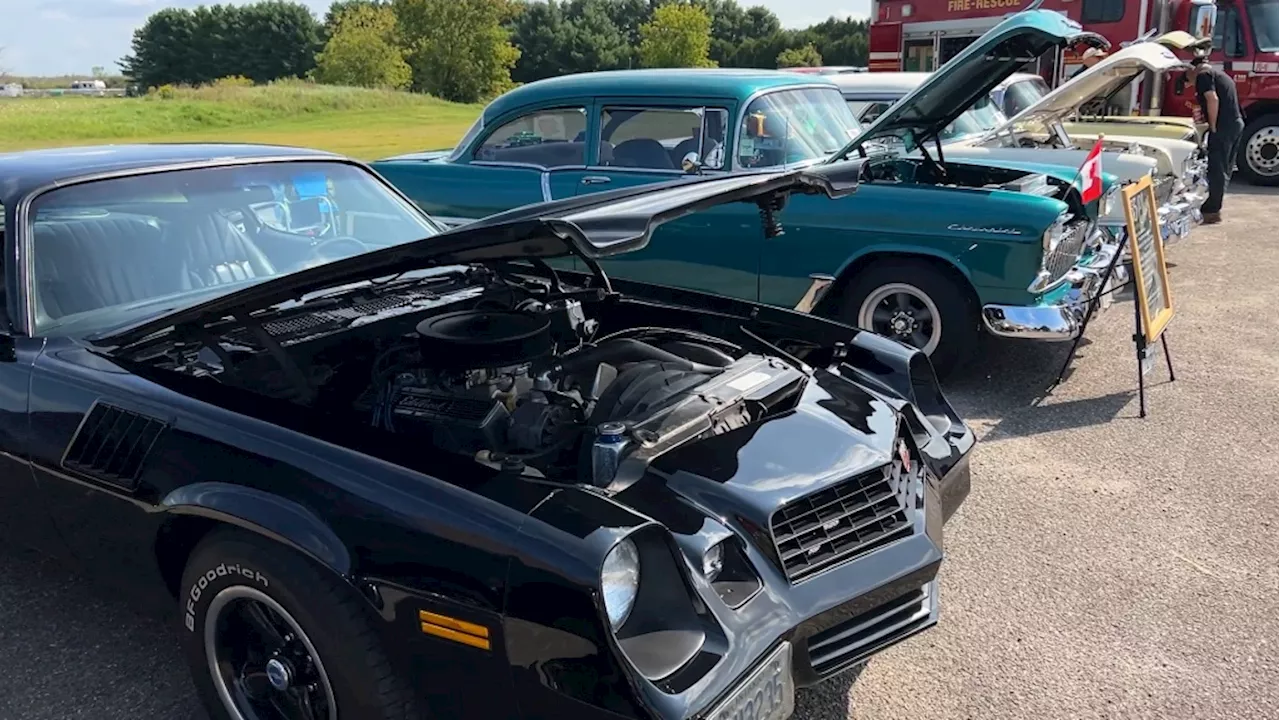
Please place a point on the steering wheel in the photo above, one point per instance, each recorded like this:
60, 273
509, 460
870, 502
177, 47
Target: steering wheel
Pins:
341, 246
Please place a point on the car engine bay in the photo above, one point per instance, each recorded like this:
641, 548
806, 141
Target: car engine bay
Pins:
951, 174
508, 372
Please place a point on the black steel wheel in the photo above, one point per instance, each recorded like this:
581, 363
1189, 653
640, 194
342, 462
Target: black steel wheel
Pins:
271, 635
262, 663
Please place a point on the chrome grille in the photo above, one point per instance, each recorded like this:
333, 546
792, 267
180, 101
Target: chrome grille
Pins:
853, 640
835, 525
1066, 253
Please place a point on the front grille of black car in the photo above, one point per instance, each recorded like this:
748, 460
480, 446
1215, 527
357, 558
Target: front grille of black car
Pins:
842, 645
835, 525
1066, 254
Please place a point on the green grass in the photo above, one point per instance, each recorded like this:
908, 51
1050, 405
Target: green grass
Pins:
362, 123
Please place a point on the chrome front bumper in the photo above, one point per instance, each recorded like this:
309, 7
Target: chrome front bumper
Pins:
1063, 319
1178, 214
1181, 211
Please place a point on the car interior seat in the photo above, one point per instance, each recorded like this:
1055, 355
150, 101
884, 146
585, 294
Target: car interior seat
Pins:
85, 264
642, 153
685, 147
213, 251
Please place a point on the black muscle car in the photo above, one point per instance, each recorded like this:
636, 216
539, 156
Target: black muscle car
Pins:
379, 470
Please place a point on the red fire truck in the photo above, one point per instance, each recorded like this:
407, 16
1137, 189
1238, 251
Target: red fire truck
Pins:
922, 34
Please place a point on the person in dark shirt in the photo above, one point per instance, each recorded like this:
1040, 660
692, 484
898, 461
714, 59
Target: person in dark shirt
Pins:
1220, 107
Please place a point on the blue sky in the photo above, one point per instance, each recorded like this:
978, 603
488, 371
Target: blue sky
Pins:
59, 37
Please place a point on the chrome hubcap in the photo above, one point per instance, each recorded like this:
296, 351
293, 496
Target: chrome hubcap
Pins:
1263, 151
905, 313
263, 666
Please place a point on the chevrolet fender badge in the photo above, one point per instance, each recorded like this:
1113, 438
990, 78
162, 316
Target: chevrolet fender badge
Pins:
992, 230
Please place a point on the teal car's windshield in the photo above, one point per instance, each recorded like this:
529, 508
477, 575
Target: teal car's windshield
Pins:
794, 126
982, 118
1264, 18
116, 251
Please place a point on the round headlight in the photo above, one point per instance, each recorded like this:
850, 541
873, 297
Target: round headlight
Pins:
713, 562
620, 579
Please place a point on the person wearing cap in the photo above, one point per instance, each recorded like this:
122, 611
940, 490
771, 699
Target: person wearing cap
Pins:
1220, 108
1088, 60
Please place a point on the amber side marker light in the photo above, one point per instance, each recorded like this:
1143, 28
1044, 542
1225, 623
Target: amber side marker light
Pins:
459, 631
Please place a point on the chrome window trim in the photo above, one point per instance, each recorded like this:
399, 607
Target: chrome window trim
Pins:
650, 171
735, 166
525, 166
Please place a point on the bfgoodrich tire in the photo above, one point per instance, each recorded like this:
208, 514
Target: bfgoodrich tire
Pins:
269, 635
1258, 159
914, 302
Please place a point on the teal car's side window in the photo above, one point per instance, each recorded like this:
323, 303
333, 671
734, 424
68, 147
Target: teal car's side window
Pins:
544, 138
660, 138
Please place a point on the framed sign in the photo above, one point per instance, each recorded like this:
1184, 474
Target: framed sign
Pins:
1150, 274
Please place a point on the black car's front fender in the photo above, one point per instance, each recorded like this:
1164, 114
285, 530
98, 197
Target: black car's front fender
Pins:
265, 514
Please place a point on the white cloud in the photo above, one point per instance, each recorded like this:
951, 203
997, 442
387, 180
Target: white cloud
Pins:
61, 37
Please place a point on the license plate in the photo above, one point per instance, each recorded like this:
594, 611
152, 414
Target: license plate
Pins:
769, 694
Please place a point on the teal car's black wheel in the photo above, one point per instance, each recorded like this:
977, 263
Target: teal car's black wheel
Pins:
914, 303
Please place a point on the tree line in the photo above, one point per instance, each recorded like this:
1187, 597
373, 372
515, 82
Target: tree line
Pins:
469, 50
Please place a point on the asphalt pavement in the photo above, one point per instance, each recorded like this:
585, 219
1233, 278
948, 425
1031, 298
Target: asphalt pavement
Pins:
1104, 566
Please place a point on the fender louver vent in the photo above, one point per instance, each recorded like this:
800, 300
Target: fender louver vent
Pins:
111, 444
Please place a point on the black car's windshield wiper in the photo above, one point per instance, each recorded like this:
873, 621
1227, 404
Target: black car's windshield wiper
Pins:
380, 285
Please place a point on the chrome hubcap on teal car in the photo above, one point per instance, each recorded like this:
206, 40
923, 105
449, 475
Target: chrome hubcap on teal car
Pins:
904, 313
1263, 151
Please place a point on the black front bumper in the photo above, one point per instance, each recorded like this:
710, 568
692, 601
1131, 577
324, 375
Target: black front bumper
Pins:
838, 619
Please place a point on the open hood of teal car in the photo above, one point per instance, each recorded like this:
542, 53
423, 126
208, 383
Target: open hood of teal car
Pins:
1019, 39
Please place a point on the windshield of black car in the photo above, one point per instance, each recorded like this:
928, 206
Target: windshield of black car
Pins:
1264, 18
115, 251
794, 126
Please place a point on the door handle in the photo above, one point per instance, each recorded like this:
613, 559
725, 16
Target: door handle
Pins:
595, 180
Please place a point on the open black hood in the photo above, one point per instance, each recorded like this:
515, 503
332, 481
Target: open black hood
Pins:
596, 225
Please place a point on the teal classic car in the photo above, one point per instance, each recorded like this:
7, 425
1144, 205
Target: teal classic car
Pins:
929, 250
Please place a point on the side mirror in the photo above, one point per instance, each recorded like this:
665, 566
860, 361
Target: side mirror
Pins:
691, 164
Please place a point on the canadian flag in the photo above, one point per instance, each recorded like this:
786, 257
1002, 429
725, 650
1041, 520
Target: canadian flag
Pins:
1090, 174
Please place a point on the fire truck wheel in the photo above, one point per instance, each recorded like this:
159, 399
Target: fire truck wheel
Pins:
1259, 156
